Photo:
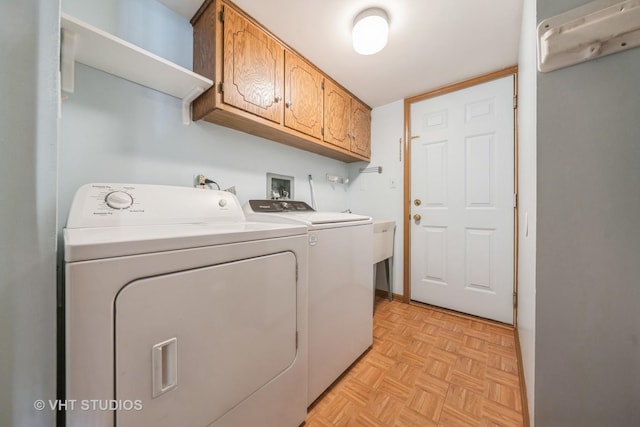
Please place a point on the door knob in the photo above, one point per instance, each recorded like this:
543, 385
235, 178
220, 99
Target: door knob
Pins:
417, 202
417, 217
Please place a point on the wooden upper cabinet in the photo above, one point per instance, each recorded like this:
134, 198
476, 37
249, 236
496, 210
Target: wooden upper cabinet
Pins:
360, 128
253, 68
263, 87
337, 107
347, 121
303, 96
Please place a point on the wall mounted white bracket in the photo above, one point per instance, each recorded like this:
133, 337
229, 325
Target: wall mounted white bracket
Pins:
371, 169
186, 104
91, 46
67, 60
335, 179
590, 31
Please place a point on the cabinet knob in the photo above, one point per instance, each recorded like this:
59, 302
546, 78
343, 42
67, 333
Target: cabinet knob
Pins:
417, 217
417, 202
289, 104
278, 99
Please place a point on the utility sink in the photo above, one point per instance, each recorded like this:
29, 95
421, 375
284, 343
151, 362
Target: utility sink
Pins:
383, 231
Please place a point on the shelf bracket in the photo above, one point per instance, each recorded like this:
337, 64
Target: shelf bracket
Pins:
186, 104
371, 169
335, 179
596, 29
67, 60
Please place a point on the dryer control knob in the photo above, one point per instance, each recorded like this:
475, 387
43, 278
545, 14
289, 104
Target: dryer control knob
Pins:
222, 203
119, 200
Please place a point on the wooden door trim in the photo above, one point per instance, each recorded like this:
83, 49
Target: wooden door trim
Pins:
406, 298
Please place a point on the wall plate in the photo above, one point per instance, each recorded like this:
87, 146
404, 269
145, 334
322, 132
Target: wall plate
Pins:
279, 186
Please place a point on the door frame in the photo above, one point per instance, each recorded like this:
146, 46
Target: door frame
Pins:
406, 298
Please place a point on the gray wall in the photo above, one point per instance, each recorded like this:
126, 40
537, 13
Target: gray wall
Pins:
588, 241
28, 143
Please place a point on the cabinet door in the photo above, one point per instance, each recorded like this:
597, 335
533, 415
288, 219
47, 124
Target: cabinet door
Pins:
253, 68
337, 104
360, 129
303, 96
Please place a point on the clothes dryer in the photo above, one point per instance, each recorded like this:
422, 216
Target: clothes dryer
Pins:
179, 312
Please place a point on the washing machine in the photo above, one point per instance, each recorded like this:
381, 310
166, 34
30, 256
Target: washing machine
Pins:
340, 290
179, 312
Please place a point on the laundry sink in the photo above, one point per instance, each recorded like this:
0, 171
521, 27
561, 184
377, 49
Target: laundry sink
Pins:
383, 231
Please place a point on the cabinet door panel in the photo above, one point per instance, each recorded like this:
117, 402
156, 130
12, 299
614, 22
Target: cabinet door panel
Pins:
360, 129
253, 68
303, 96
337, 104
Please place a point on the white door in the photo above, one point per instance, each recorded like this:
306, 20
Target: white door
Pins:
462, 200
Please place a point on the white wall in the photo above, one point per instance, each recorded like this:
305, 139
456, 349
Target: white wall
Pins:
588, 240
380, 195
527, 74
117, 131
28, 134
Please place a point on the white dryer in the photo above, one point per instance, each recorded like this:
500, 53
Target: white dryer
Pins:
181, 313
340, 290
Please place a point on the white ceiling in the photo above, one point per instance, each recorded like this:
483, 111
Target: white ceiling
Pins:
431, 42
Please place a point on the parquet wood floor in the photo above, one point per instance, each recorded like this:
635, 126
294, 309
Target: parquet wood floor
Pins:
427, 368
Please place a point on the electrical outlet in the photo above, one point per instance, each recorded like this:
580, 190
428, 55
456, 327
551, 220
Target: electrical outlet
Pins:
198, 180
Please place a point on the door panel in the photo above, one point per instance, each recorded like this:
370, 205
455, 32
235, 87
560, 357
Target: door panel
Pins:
360, 129
479, 254
337, 106
219, 333
435, 241
436, 175
479, 171
303, 96
462, 179
253, 68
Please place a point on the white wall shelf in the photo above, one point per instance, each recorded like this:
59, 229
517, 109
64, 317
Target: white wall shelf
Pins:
91, 46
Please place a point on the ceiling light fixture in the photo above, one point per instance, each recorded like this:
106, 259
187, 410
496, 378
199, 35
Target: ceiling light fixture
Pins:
370, 31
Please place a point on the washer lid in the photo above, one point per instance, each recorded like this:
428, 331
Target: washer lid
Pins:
316, 218
298, 212
82, 244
